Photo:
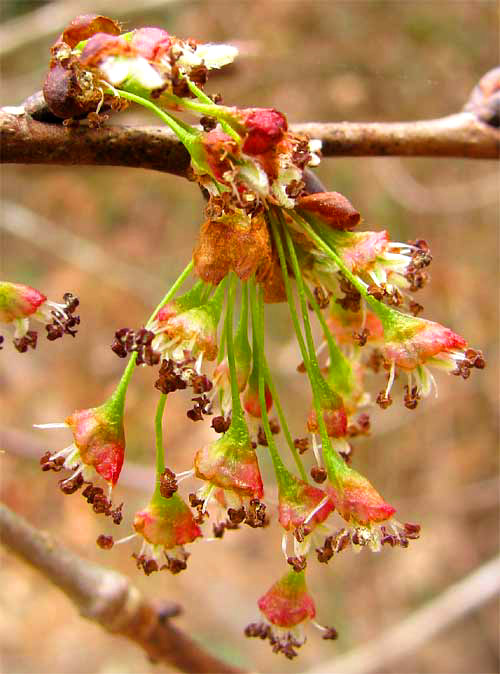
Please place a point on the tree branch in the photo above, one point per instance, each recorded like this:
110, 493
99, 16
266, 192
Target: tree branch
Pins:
26, 141
108, 598
465, 596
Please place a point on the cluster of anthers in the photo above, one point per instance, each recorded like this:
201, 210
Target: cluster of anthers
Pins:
268, 236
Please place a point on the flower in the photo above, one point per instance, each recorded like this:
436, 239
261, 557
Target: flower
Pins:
165, 525
301, 504
192, 331
347, 326
231, 464
19, 303
98, 446
286, 608
414, 344
370, 518
356, 500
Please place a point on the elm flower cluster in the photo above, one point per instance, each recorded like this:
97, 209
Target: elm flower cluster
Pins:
267, 236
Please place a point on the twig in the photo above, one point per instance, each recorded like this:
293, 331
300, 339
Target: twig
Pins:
108, 598
26, 141
457, 601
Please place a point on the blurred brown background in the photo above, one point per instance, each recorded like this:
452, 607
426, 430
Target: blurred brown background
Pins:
118, 237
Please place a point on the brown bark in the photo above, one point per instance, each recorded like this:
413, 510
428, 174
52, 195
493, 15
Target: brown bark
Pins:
108, 598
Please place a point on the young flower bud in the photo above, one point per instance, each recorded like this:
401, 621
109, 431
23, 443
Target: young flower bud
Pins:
231, 464
251, 403
334, 413
18, 301
151, 43
265, 127
332, 208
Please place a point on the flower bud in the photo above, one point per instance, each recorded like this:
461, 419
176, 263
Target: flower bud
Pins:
251, 401
332, 208
265, 127
18, 301
332, 407
151, 43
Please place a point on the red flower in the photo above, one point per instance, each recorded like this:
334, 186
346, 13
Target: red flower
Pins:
357, 501
288, 602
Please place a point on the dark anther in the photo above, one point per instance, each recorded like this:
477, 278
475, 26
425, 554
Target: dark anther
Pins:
168, 483
301, 444
220, 424
384, 401
301, 532
274, 426
376, 292
297, 563
29, 340
322, 297
411, 398
208, 123
105, 542
352, 299
318, 474
201, 383
256, 514
236, 516
202, 405
331, 633
48, 463
261, 437
361, 337
71, 485
218, 530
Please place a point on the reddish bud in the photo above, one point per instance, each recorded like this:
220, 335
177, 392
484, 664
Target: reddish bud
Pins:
265, 128
150, 42
18, 301
332, 208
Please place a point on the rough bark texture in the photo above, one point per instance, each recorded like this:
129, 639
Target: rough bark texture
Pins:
108, 598
26, 141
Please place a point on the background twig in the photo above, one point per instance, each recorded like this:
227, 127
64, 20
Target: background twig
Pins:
454, 603
108, 598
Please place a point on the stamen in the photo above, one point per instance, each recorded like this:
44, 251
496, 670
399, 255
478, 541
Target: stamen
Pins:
323, 502
284, 544
126, 539
391, 379
54, 425
316, 449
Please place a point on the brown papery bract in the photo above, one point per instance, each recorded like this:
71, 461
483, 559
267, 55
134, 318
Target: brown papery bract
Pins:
232, 245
